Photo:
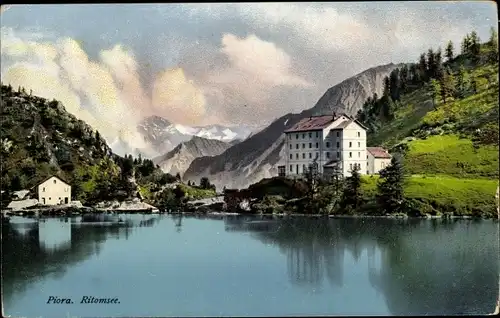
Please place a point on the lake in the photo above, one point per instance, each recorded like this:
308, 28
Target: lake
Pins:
164, 265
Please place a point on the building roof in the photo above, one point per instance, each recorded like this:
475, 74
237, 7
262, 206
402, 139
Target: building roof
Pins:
39, 183
312, 123
346, 123
379, 152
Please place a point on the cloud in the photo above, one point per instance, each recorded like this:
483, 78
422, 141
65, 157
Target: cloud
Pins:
178, 98
260, 60
63, 71
107, 93
249, 72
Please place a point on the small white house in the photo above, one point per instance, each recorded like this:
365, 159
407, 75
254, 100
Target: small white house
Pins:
53, 191
377, 158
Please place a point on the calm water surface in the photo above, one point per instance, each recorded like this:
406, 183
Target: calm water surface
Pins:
243, 266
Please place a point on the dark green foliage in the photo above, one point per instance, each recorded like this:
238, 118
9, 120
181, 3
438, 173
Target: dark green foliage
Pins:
449, 51
390, 195
352, 195
205, 183
493, 45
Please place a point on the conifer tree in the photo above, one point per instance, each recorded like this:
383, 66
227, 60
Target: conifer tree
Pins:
461, 83
493, 44
475, 47
435, 89
390, 195
352, 195
449, 51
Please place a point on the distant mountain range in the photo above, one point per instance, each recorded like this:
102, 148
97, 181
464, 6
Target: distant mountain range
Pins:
259, 155
164, 136
180, 158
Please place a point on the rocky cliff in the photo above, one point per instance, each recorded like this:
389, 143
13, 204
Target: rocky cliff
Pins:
259, 155
179, 159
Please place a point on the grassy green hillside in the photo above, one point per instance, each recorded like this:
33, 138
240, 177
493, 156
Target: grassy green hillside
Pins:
442, 194
449, 139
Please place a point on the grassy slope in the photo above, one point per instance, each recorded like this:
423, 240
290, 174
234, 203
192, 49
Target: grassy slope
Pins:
458, 195
446, 169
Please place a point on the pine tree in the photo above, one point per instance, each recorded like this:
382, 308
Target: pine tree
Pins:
449, 51
387, 86
404, 75
447, 85
435, 89
390, 195
460, 84
352, 195
431, 64
466, 43
422, 69
493, 44
438, 62
475, 47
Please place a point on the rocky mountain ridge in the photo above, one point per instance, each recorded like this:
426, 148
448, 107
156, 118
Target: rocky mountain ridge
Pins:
179, 159
258, 156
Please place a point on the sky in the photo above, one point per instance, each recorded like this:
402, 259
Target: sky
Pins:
231, 64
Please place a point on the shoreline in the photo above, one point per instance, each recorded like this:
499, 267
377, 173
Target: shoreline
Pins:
68, 212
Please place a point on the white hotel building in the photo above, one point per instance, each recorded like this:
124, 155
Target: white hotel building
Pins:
333, 140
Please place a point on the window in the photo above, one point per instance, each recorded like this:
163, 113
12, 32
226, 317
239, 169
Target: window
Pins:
310, 155
367, 163
297, 146
291, 168
350, 155
289, 136
303, 168
350, 166
317, 154
59, 198
291, 146
297, 168
55, 181
310, 135
65, 189
338, 144
310, 145
50, 199
303, 146
338, 154
303, 155
297, 156
359, 134
327, 154
43, 189
291, 156
350, 144
316, 145
317, 134
359, 154
366, 156
296, 136
359, 144
327, 144
303, 136
338, 134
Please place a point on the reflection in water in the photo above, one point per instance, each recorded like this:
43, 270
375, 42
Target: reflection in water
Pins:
426, 267
54, 234
419, 266
32, 249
